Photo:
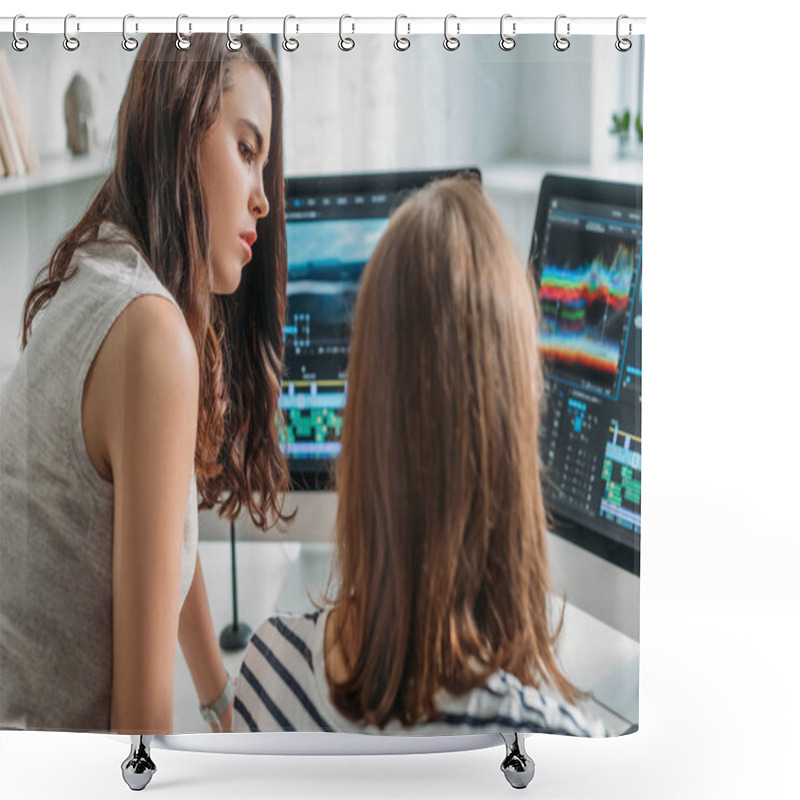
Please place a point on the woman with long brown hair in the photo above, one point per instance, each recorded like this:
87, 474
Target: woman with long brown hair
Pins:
150, 374
439, 619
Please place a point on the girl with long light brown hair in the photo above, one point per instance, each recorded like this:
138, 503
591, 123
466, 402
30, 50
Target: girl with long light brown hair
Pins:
150, 375
439, 622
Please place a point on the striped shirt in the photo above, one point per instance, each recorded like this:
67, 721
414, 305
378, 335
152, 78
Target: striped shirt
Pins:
282, 687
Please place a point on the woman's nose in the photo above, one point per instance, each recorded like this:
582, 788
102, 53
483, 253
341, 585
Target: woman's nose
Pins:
259, 204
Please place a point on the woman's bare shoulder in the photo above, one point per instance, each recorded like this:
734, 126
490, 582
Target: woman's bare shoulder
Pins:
152, 329
150, 345
146, 372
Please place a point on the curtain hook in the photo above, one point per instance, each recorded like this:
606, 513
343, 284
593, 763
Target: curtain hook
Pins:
289, 44
401, 42
182, 43
451, 43
128, 42
70, 42
18, 43
507, 42
561, 43
623, 45
233, 43
345, 42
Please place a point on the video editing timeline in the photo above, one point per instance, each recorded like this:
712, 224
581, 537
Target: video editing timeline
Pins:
330, 238
622, 478
313, 414
589, 283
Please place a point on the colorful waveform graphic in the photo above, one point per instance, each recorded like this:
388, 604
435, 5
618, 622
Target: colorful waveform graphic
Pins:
582, 308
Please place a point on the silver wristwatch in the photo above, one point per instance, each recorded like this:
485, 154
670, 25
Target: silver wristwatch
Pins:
213, 712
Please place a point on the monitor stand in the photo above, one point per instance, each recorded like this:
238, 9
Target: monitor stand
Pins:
600, 660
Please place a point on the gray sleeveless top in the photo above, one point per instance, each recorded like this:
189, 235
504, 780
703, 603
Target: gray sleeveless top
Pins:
57, 513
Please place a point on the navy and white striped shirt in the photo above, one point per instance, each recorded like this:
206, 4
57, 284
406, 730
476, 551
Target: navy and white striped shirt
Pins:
282, 687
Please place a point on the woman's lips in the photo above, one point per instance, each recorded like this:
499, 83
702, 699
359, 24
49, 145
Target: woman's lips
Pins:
246, 247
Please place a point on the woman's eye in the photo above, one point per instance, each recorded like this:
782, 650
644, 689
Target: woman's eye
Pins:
247, 153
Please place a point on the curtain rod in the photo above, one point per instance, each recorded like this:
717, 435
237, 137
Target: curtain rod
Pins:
350, 25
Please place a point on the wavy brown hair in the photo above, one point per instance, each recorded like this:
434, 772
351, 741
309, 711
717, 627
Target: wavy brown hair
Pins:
441, 525
154, 192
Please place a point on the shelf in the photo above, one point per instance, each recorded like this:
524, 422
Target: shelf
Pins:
54, 171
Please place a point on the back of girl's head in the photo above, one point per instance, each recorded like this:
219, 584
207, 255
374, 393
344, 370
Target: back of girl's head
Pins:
440, 526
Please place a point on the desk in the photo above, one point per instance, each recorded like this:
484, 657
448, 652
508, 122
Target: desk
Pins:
589, 650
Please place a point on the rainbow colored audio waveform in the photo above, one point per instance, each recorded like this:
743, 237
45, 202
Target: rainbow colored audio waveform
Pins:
601, 356
576, 305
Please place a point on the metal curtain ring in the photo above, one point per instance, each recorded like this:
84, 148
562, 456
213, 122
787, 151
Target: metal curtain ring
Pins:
507, 42
289, 44
451, 42
128, 42
623, 45
182, 43
561, 43
401, 42
233, 44
70, 42
345, 42
18, 43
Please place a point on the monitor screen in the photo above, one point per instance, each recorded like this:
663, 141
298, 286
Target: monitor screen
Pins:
587, 262
332, 226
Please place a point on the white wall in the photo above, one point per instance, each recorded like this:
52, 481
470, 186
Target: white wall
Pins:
31, 222
375, 108
43, 73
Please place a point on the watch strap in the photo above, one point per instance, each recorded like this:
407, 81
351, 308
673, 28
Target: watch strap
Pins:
212, 713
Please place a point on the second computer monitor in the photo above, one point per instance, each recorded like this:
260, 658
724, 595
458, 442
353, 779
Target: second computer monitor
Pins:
587, 262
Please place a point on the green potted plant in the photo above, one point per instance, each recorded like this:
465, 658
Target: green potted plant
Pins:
621, 128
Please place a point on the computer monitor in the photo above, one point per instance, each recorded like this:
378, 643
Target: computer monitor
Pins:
332, 226
586, 258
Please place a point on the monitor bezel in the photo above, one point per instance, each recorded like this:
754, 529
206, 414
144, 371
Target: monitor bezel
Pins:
590, 190
317, 475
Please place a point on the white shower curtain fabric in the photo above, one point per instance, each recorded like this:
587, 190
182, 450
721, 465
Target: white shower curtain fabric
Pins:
530, 123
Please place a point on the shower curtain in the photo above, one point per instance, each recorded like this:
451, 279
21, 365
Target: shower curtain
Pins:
553, 128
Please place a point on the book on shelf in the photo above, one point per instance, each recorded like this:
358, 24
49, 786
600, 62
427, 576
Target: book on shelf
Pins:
8, 141
16, 147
